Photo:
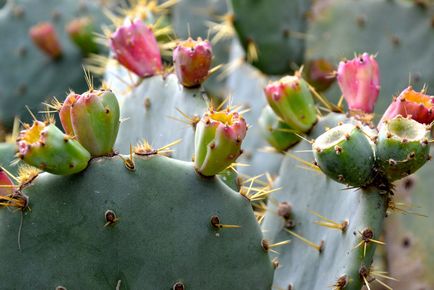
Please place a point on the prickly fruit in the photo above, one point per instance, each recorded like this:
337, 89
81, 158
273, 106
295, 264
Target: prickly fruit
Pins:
319, 73
277, 133
45, 38
6, 184
46, 147
344, 154
291, 100
93, 118
81, 32
218, 141
410, 103
135, 47
402, 147
359, 80
192, 60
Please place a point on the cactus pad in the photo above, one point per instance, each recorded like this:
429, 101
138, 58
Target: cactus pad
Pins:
334, 254
113, 227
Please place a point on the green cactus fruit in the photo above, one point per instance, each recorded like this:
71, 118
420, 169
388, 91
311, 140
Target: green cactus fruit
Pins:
345, 154
275, 46
352, 26
93, 118
217, 142
332, 229
44, 146
277, 133
29, 76
120, 229
402, 147
81, 32
291, 99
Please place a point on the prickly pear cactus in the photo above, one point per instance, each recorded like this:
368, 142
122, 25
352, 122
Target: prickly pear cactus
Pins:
275, 46
28, 75
408, 233
332, 229
356, 26
118, 228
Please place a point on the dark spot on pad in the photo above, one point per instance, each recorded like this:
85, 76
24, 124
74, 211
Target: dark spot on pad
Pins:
178, 286
406, 242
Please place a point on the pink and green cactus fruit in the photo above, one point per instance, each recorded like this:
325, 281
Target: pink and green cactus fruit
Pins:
135, 47
291, 99
65, 113
320, 74
402, 147
192, 60
45, 38
359, 80
93, 118
44, 146
218, 139
410, 103
81, 32
6, 184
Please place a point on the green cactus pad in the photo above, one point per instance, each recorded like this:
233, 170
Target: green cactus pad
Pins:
280, 40
344, 27
275, 131
154, 110
409, 235
28, 76
402, 147
47, 148
310, 192
112, 228
345, 154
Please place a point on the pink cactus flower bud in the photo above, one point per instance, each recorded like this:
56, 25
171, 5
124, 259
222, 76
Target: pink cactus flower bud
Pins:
45, 38
359, 80
412, 104
192, 59
135, 47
